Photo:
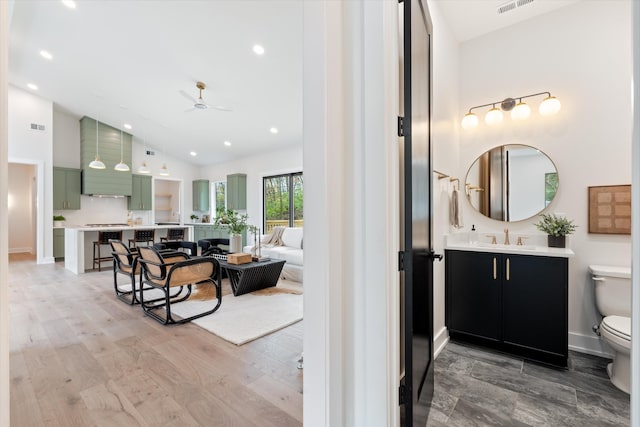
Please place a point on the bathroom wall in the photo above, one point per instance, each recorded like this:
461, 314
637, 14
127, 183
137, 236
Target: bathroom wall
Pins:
581, 54
446, 153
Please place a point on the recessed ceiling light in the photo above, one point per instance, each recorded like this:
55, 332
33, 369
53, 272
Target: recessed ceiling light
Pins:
32, 86
127, 126
193, 153
227, 143
258, 50
69, 3
273, 130
46, 54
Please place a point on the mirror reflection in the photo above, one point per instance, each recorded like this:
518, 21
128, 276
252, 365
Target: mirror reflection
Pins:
511, 182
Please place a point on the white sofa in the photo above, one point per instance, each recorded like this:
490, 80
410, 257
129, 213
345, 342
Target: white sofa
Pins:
291, 251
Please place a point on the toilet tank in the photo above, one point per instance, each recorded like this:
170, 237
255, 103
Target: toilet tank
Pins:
612, 289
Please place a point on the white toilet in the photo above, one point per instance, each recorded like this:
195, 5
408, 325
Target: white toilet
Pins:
613, 300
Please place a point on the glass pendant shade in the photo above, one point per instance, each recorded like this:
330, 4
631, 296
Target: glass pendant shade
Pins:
122, 166
97, 163
144, 169
549, 106
469, 121
493, 117
521, 111
164, 171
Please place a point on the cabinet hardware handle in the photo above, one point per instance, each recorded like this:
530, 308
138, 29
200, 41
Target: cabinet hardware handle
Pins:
495, 272
508, 269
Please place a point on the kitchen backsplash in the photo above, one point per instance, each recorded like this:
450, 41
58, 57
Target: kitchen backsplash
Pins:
102, 210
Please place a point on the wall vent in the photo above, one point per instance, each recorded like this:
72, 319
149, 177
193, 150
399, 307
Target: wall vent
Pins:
151, 153
35, 126
512, 5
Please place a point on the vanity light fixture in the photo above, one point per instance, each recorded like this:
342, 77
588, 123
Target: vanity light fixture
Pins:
518, 108
97, 163
122, 166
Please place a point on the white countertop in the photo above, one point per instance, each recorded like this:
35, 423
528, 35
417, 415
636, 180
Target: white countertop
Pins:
511, 249
123, 227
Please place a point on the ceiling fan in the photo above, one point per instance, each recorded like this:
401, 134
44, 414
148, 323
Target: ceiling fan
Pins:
199, 104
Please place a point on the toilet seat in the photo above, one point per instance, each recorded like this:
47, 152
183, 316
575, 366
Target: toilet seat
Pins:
617, 328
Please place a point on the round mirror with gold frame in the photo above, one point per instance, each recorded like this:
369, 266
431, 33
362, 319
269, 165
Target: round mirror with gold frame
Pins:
511, 182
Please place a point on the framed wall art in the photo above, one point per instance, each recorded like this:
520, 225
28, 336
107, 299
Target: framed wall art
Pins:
610, 209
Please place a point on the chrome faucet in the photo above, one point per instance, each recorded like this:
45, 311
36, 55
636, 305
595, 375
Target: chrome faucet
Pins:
506, 236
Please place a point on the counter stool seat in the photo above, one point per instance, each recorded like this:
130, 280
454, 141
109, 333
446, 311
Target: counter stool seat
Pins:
146, 235
103, 239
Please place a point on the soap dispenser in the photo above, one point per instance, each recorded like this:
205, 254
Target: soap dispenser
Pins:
473, 235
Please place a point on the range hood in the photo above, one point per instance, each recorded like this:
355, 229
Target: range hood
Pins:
104, 182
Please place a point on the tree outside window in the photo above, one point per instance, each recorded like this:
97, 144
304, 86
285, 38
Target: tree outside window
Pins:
283, 201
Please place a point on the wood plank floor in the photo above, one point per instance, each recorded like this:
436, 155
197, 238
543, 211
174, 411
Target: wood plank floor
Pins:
81, 357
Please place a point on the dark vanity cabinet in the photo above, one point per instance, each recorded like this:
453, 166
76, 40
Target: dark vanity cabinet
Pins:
510, 302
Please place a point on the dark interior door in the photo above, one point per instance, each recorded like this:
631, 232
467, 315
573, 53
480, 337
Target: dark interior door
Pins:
417, 297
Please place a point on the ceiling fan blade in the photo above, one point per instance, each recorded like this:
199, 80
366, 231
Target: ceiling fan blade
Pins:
189, 97
219, 107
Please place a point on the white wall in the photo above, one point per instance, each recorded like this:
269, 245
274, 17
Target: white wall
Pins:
273, 163
66, 139
581, 54
445, 151
34, 147
21, 206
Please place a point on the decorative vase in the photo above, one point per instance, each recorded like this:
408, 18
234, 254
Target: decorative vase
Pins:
556, 241
235, 243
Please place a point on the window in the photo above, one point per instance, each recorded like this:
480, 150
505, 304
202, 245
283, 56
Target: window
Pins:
219, 196
283, 198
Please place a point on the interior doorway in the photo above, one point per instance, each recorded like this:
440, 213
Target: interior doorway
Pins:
167, 201
22, 204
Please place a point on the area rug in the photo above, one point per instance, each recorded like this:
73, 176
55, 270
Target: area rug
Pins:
247, 317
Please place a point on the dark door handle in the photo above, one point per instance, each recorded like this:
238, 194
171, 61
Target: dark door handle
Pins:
434, 256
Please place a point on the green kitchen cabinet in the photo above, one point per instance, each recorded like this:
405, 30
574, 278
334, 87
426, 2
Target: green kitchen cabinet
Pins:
200, 195
237, 191
58, 243
66, 188
140, 199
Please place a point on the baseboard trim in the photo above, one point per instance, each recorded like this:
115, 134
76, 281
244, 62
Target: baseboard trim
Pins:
589, 344
20, 250
440, 341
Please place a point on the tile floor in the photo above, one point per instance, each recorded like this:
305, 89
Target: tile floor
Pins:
478, 387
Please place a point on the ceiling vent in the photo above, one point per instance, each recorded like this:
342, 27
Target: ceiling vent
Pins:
512, 5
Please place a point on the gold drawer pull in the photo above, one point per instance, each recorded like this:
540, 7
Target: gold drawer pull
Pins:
495, 271
508, 269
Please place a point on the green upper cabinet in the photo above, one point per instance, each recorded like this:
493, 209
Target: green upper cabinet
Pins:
104, 181
237, 191
66, 188
140, 199
201, 195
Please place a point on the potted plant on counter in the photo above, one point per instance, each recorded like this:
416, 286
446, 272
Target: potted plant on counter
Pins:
236, 223
194, 217
557, 228
58, 221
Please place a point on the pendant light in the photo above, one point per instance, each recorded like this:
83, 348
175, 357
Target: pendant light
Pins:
164, 171
144, 169
97, 163
122, 166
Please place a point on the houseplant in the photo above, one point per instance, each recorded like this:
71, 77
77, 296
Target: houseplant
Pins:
236, 223
557, 228
194, 217
57, 220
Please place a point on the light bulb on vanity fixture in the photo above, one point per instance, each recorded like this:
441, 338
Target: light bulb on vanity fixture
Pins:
519, 111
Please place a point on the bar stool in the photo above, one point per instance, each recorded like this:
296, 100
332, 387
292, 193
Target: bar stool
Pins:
142, 236
173, 234
103, 239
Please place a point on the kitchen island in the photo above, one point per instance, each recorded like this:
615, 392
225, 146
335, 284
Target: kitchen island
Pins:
78, 241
